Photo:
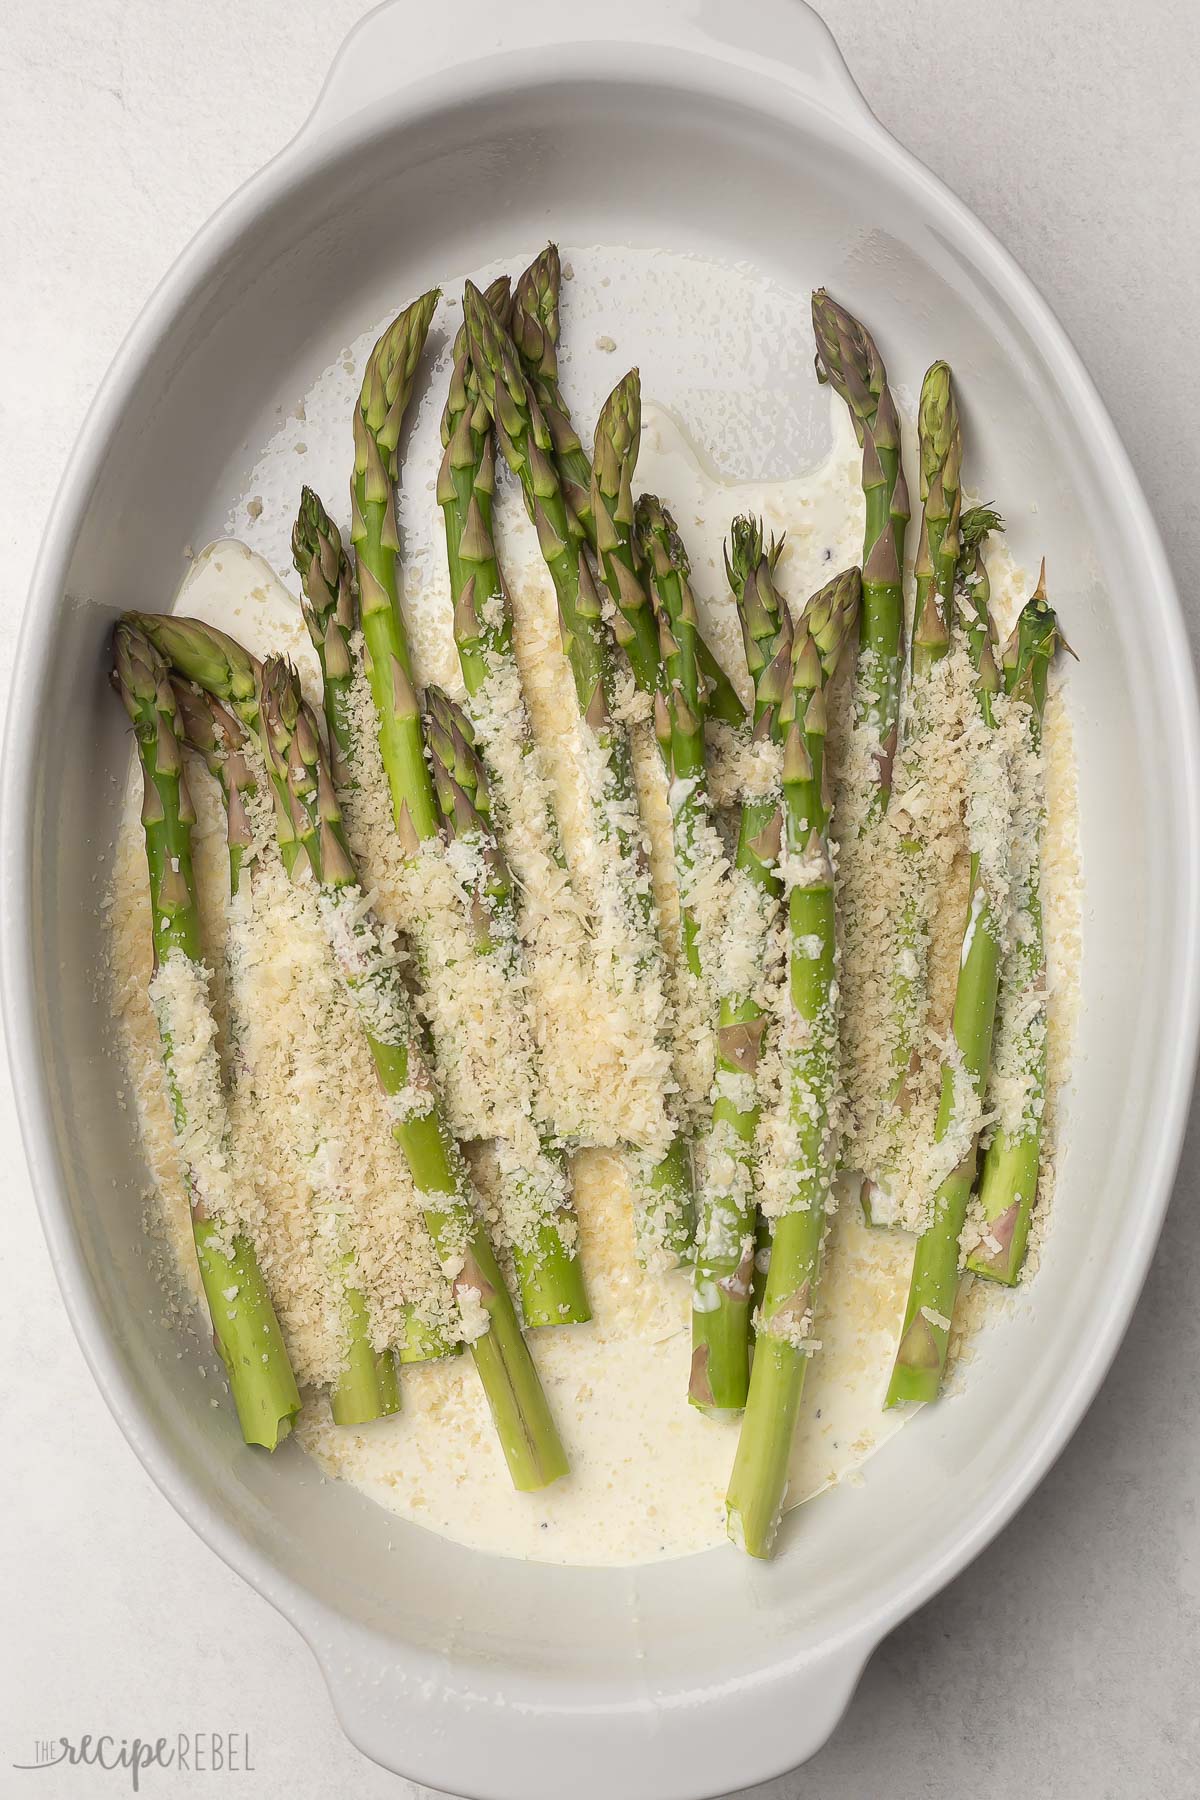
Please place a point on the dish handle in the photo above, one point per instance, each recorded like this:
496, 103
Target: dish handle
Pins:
465, 1736
780, 40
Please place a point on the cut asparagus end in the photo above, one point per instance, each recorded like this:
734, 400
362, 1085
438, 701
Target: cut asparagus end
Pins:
550, 1280
757, 1492
524, 1423
247, 1336
720, 1368
368, 1387
1007, 1192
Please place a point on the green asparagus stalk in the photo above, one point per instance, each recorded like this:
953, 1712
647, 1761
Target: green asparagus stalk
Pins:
329, 612
555, 1293
680, 700
549, 1270
1009, 1180
366, 1387
527, 446
604, 516
940, 454
939, 445
767, 638
759, 1480
533, 323
847, 358
615, 452
723, 1290
725, 1217
925, 1336
378, 417
483, 621
527, 1432
246, 1330
618, 438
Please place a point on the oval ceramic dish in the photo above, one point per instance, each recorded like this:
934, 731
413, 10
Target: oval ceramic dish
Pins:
733, 132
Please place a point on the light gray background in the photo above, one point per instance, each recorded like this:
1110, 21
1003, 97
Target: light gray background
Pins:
1067, 1661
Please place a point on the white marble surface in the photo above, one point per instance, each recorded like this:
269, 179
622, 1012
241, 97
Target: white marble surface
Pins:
1066, 1662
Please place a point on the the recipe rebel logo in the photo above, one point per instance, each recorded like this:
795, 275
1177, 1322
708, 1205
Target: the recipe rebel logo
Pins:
191, 1752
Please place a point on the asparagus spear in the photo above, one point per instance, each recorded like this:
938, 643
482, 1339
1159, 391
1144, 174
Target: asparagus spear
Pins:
725, 1234
679, 702
483, 621
925, 1336
483, 625
759, 1480
378, 417
329, 612
527, 1432
940, 454
1008, 1183
767, 637
725, 1220
615, 452
533, 323
847, 358
246, 1331
549, 1271
664, 1219
366, 1387
555, 1293
618, 437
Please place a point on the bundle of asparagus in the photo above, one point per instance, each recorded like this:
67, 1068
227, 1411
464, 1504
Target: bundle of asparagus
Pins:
548, 1268
245, 1329
267, 700
665, 1205
752, 1233
366, 1387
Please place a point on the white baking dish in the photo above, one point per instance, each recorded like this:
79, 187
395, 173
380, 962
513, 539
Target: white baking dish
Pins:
735, 130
